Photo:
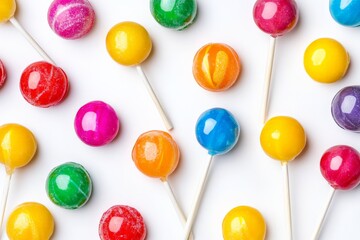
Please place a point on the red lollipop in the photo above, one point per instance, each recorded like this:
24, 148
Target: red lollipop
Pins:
43, 84
274, 17
2, 74
340, 166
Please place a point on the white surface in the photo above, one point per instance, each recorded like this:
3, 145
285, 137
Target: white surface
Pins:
245, 176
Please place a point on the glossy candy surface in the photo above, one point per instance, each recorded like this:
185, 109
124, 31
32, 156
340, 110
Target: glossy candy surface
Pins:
17, 146
345, 108
326, 60
96, 123
283, 138
276, 17
7, 10
345, 12
128, 43
175, 14
340, 166
217, 131
245, 223
71, 19
30, 221
2, 74
156, 154
43, 84
122, 222
69, 185
216, 67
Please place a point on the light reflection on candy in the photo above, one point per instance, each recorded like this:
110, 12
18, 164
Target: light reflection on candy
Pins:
345, 12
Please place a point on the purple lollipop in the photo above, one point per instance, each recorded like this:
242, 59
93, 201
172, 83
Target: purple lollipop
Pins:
96, 123
345, 108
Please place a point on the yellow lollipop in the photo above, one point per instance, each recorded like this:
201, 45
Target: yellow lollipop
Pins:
17, 148
7, 10
283, 139
30, 221
243, 223
129, 44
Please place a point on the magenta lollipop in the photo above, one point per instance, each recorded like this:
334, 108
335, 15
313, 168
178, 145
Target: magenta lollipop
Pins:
340, 166
2, 74
274, 17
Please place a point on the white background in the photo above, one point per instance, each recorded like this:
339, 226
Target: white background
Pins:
244, 176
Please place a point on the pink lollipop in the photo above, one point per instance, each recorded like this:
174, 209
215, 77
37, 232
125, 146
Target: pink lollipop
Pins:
2, 74
340, 166
274, 17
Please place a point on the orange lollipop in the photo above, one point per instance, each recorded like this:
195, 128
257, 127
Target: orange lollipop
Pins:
156, 155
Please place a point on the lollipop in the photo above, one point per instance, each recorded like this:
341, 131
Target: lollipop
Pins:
17, 148
326, 60
245, 223
340, 166
69, 185
71, 19
122, 222
216, 67
218, 132
156, 155
30, 220
2, 74
345, 12
43, 85
7, 11
283, 138
274, 17
96, 123
129, 44
176, 14
345, 108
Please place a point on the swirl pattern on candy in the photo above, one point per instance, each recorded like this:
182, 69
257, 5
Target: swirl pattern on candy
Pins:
345, 12
43, 84
121, 222
30, 220
216, 67
175, 14
345, 108
7, 10
2, 74
245, 223
69, 185
71, 19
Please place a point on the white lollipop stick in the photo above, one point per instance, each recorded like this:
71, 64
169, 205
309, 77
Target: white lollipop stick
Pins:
287, 199
268, 74
175, 204
156, 101
33, 43
4, 199
196, 203
319, 226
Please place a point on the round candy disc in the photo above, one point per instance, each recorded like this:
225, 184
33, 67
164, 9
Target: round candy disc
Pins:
217, 131
345, 12
345, 108
2, 74
326, 60
17, 146
340, 166
282, 138
245, 223
7, 10
216, 67
122, 222
156, 154
43, 84
69, 185
30, 220
128, 43
275, 17
175, 14
96, 123
71, 19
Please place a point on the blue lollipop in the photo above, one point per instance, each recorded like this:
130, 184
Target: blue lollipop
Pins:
218, 132
345, 12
